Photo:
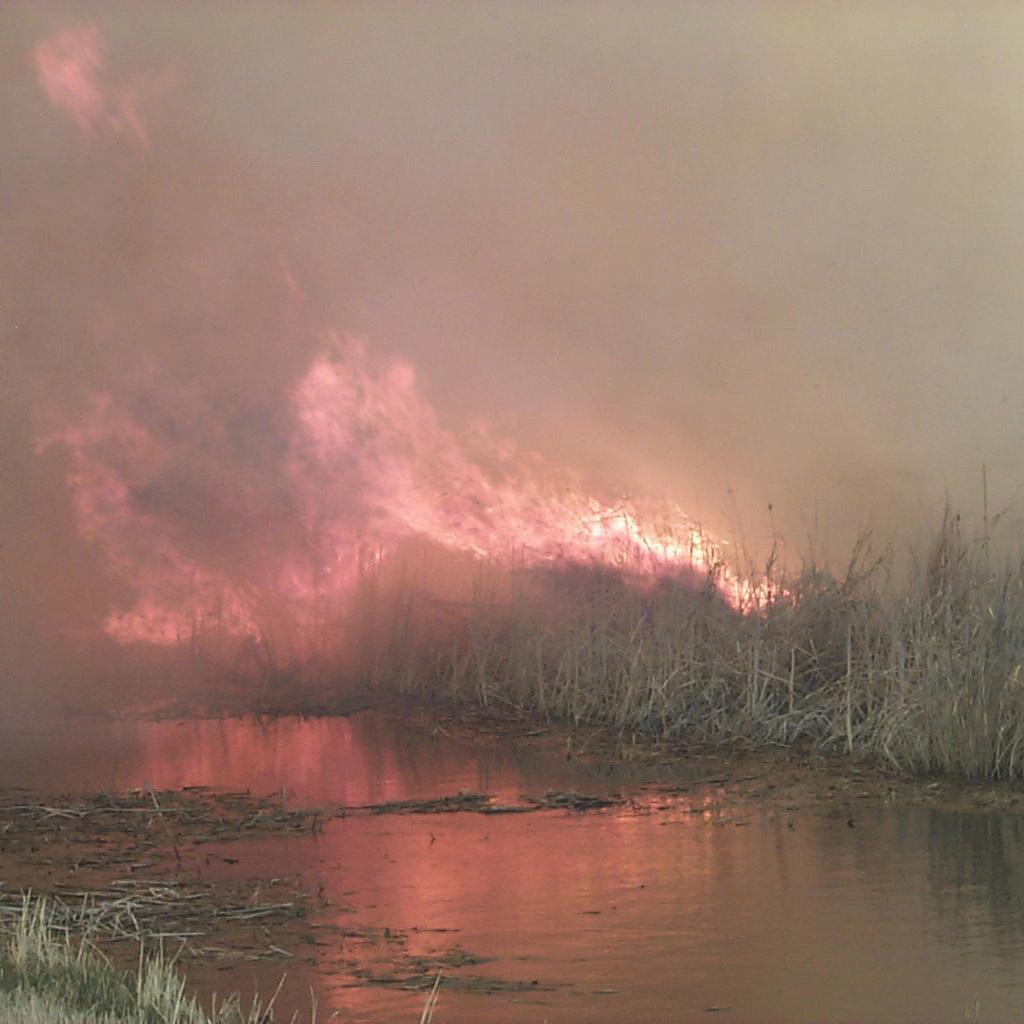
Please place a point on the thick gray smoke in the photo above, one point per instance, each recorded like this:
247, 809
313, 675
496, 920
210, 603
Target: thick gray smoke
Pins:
734, 255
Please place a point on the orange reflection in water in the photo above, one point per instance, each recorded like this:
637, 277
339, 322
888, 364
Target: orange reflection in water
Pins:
365, 759
627, 914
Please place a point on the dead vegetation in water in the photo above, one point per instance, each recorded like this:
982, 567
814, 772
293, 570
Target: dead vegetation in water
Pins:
219, 695
482, 803
573, 801
49, 976
458, 803
430, 970
414, 975
121, 874
124, 869
140, 828
187, 915
382, 958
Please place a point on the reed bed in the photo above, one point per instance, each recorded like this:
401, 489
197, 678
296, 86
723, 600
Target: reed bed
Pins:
917, 663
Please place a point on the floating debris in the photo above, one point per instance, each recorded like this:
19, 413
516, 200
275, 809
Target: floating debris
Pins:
148, 911
482, 803
421, 973
460, 802
133, 828
573, 801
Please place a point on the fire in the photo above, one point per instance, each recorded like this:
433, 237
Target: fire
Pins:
261, 523
216, 527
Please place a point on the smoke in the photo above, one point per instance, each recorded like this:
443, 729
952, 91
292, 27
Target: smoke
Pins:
728, 255
71, 68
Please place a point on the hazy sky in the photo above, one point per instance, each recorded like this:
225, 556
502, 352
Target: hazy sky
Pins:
729, 253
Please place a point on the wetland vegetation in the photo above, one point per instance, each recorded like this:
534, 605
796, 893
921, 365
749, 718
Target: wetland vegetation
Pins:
833, 694
51, 974
916, 664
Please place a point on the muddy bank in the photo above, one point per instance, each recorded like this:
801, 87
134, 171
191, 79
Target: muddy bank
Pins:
797, 774
777, 777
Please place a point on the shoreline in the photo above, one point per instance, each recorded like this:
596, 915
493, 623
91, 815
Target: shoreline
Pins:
195, 866
635, 759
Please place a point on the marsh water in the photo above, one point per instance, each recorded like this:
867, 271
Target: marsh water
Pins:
686, 908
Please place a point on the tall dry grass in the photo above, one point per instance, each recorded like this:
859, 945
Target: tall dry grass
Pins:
49, 976
51, 973
913, 662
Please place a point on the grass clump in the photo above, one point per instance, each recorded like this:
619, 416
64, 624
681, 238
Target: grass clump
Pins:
47, 977
917, 665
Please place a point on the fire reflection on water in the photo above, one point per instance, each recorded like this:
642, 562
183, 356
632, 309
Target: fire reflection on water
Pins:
675, 906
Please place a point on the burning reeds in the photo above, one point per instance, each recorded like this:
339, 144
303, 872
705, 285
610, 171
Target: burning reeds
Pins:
918, 668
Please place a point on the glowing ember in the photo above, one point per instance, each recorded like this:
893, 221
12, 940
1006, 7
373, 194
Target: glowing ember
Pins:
216, 526
71, 71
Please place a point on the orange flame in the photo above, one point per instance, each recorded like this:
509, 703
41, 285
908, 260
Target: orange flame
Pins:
360, 461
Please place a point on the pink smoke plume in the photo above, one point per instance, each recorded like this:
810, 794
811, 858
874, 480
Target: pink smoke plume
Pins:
72, 72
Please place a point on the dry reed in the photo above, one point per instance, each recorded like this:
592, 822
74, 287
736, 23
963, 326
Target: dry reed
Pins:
47, 976
920, 666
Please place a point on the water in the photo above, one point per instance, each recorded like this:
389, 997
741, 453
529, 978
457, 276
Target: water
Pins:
698, 911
